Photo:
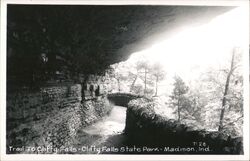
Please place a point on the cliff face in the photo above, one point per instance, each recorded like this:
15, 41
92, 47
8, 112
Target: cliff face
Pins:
50, 117
60, 42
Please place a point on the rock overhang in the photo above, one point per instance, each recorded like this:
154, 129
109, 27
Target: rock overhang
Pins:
89, 38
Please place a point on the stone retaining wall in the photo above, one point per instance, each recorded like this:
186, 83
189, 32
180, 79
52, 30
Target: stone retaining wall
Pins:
49, 117
145, 128
121, 99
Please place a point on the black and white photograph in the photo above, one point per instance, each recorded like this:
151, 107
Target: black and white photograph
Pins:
125, 79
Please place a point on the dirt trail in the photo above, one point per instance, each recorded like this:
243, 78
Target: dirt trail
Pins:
107, 132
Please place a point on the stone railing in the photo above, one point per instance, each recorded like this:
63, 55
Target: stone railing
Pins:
122, 99
146, 128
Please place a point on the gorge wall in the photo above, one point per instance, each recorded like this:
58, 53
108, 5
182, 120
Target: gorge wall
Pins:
50, 116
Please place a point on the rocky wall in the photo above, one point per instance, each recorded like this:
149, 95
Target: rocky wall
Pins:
46, 120
145, 128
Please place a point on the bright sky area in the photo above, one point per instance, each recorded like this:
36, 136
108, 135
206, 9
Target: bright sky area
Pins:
196, 48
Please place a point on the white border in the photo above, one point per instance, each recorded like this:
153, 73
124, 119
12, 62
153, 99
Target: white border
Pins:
4, 3
133, 2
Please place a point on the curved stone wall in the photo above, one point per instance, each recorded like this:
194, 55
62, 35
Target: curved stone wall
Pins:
146, 129
121, 99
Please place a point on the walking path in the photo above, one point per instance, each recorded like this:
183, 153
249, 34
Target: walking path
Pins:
103, 135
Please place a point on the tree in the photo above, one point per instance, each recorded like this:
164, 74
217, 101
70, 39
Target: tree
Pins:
221, 96
133, 76
232, 68
159, 74
178, 97
118, 72
143, 65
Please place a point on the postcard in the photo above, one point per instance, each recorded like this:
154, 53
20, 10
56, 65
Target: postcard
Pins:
116, 80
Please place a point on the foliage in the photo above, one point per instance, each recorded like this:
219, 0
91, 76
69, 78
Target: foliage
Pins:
142, 103
179, 100
117, 71
159, 73
139, 78
144, 68
218, 92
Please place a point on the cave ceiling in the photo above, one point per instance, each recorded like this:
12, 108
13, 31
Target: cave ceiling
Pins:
96, 36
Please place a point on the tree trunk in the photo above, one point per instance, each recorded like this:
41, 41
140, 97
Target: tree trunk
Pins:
178, 110
133, 84
145, 82
224, 100
119, 86
156, 86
